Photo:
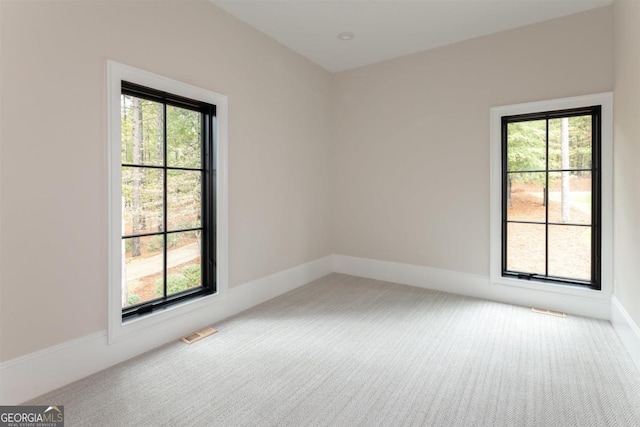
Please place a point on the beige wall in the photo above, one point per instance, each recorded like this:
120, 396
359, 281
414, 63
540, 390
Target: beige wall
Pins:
627, 155
53, 270
388, 161
411, 146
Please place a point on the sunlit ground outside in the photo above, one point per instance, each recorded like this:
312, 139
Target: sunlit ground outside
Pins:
143, 273
569, 245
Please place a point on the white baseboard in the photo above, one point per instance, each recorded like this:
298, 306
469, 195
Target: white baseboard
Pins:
29, 376
627, 329
470, 285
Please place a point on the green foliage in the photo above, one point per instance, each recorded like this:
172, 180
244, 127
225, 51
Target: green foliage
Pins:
192, 272
156, 242
173, 239
188, 278
175, 283
579, 143
183, 137
183, 131
527, 148
132, 299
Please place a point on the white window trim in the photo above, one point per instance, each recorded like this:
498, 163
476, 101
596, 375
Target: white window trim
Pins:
116, 73
606, 101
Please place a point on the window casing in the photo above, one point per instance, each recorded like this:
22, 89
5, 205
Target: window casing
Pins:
186, 314
531, 290
547, 236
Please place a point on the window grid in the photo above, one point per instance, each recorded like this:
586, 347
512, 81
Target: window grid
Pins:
595, 114
207, 197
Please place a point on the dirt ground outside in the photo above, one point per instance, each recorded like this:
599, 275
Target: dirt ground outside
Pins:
144, 271
569, 245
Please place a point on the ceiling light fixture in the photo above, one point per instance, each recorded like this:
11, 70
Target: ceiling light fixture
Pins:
344, 36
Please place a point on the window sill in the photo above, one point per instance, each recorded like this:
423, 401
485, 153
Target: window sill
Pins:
552, 288
119, 329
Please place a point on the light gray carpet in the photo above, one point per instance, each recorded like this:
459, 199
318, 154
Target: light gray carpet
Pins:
347, 351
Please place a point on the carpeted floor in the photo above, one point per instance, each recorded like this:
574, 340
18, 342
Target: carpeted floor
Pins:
347, 351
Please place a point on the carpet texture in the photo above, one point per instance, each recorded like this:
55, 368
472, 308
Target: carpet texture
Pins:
348, 351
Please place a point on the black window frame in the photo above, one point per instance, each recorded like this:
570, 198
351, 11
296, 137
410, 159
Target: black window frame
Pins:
595, 112
208, 198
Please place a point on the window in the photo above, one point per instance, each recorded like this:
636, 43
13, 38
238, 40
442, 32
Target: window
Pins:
167, 202
551, 196
168, 194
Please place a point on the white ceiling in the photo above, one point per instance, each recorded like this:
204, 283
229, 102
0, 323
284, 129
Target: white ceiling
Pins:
386, 29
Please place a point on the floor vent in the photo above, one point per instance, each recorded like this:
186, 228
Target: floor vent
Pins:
549, 312
198, 335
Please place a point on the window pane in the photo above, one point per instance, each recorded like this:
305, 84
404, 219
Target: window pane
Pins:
184, 140
183, 199
525, 200
576, 152
526, 145
142, 190
143, 266
142, 129
183, 262
570, 251
570, 197
526, 248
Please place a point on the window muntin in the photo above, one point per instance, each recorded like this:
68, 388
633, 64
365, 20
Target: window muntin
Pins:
168, 194
551, 196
